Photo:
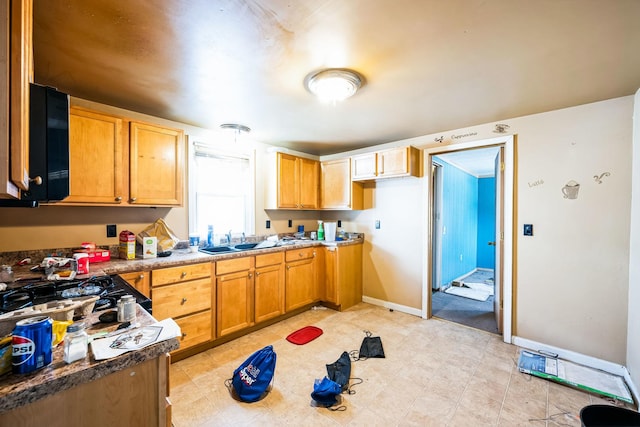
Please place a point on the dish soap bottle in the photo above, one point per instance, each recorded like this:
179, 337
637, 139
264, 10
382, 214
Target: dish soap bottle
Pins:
320, 231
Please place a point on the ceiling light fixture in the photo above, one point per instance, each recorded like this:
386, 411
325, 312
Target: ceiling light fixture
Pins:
334, 84
236, 129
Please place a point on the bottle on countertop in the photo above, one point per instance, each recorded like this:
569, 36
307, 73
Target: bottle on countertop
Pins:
210, 235
320, 231
75, 342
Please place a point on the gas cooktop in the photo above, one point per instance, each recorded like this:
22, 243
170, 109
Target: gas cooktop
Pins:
108, 288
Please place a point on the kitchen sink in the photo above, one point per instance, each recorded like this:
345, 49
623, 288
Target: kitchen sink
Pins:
245, 246
216, 249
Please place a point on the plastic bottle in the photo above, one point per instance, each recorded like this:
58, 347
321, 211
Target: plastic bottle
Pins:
320, 231
210, 235
75, 342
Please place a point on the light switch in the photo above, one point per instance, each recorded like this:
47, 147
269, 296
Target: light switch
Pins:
528, 230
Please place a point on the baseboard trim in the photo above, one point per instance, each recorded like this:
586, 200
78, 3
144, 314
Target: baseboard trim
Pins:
582, 359
392, 306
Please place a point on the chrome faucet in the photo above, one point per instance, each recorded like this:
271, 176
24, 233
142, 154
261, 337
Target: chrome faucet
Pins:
243, 239
229, 237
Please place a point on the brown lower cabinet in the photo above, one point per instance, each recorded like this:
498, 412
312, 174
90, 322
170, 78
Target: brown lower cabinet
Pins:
185, 293
139, 394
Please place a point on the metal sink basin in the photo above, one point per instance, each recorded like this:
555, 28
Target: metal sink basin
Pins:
245, 246
216, 249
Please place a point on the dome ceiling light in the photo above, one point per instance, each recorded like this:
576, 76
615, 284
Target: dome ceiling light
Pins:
334, 84
235, 127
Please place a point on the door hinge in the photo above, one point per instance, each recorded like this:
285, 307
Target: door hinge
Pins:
501, 235
502, 166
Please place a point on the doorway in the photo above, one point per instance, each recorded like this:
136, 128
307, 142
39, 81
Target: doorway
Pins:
469, 249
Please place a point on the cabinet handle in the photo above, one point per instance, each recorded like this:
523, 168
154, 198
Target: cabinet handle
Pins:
314, 253
257, 273
300, 254
288, 267
250, 275
183, 301
183, 274
140, 277
37, 180
184, 335
118, 199
133, 199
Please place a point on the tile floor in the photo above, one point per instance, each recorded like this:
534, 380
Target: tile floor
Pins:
436, 373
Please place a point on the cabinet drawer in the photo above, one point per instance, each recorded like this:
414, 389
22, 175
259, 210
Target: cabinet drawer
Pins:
166, 276
195, 328
298, 254
181, 299
233, 265
269, 259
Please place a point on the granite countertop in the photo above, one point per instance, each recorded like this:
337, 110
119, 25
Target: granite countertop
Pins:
180, 257
20, 389
177, 258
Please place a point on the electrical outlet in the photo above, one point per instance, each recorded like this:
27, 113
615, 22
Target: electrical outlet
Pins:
377, 224
339, 223
268, 225
111, 230
290, 223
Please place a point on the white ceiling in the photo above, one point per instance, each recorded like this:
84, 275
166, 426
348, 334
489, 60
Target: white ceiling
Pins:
430, 65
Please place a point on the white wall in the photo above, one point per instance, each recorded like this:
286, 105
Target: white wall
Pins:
572, 276
633, 332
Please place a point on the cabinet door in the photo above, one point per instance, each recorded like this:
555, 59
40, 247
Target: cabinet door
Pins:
140, 281
300, 283
288, 182
269, 292
330, 279
365, 166
156, 165
195, 329
21, 72
308, 175
337, 191
394, 161
96, 158
234, 302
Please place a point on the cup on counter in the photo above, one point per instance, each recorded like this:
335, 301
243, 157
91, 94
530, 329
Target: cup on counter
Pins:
194, 242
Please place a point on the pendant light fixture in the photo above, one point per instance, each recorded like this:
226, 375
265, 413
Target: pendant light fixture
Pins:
334, 84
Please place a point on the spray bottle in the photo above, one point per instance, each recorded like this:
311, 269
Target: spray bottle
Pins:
320, 231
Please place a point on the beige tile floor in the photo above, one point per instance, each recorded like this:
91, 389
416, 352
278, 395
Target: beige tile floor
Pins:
435, 373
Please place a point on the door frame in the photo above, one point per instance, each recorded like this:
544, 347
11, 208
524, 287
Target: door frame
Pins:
508, 142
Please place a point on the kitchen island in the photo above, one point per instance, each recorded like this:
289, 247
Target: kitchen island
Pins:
128, 390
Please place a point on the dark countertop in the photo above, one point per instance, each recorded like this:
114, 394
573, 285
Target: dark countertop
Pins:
20, 389
177, 258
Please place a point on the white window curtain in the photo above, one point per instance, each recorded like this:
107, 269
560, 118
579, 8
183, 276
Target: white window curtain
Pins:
224, 191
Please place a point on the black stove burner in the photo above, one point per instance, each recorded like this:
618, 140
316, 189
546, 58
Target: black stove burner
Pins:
108, 288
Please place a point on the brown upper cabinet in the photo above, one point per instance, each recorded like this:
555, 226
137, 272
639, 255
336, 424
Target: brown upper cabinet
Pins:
116, 161
292, 182
16, 72
389, 163
337, 190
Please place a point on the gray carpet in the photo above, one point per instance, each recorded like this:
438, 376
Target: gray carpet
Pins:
476, 314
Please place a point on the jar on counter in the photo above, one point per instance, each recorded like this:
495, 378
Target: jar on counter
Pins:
6, 274
75, 342
126, 309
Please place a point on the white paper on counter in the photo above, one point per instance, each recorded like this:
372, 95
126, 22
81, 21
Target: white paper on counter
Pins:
151, 334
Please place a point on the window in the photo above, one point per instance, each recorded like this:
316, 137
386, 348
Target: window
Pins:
222, 192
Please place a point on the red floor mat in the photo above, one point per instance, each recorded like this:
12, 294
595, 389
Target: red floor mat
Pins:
304, 335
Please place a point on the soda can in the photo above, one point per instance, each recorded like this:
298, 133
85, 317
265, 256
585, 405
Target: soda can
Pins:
31, 344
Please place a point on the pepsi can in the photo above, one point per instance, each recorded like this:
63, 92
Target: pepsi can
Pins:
31, 344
